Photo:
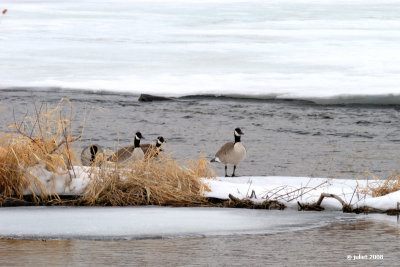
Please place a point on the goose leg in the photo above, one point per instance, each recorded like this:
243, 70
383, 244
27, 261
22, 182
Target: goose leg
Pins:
234, 169
226, 171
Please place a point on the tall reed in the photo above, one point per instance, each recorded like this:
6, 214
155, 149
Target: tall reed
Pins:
42, 140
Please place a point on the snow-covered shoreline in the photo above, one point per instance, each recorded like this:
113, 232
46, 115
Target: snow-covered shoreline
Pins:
287, 190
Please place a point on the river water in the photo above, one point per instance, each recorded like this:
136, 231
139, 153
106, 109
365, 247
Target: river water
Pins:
286, 138
339, 244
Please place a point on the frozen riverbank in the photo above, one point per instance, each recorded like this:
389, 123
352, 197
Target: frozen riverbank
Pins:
289, 191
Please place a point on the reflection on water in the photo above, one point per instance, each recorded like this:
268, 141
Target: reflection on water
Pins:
325, 246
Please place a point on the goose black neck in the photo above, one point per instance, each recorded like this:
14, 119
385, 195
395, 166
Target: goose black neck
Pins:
237, 138
158, 144
137, 142
93, 152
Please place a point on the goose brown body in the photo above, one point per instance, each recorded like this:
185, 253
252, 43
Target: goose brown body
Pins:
122, 154
149, 150
130, 153
231, 153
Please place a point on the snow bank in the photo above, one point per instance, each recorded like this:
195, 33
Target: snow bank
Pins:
287, 190
73, 182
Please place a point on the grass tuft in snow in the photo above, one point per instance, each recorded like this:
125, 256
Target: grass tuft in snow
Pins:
43, 140
381, 187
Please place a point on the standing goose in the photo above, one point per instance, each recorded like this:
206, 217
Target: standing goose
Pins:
150, 150
231, 153
128, 153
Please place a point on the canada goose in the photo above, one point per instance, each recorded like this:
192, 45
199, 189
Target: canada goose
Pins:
89, 153
149, 149
130, 152
231, 153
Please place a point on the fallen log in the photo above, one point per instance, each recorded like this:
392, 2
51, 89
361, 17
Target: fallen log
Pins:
345, 207
317, 205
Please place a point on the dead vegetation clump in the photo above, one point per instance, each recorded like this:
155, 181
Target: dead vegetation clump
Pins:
41, 140
381, 187
151, 181
235, 202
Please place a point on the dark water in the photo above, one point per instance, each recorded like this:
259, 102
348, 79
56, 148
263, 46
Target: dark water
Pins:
326, 246
282, 137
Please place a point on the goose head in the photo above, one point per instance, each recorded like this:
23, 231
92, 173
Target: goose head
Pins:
160, 141
238, 132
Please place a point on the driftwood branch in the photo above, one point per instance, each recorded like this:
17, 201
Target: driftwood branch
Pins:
317, 205
346, 207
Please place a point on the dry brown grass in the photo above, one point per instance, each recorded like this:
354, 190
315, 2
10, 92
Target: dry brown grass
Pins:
152, 181
382, 187
44, 140
41, 140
